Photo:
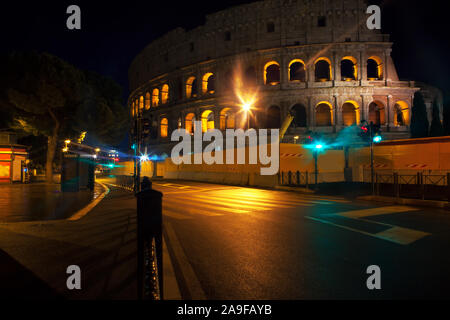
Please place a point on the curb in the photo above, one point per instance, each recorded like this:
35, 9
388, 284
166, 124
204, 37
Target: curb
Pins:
294, 189
413, 202
81, 213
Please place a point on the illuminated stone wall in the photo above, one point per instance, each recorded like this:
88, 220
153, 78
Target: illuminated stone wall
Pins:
314, 58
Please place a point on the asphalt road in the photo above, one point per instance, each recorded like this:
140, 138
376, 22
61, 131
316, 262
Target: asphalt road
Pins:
243, 243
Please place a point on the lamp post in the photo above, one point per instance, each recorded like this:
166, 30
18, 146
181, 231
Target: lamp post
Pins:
317, 148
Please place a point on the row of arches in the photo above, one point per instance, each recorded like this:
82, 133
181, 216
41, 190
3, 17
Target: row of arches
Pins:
324, 117
271, 76
323, 70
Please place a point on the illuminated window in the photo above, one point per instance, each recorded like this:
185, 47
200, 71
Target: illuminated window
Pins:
147, 101
165, 94
297, 71
189, 122
227, 119
323, 70
401, 114
374, 68
208, 83
350, 113
272, 73
376, 113
207, 120
323, 115
164, 127
191, 87
349, 69
155, 97
141, 103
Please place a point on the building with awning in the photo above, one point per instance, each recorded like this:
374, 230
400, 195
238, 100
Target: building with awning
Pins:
13, 158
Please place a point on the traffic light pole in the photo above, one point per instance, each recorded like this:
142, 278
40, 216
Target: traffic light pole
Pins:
316, 170
372, 180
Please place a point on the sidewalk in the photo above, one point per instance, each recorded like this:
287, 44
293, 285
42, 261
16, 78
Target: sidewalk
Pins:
34, 256
41, 201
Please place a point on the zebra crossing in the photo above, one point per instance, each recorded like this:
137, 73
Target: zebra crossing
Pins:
236, 201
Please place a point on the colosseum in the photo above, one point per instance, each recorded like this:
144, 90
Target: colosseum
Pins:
314, 59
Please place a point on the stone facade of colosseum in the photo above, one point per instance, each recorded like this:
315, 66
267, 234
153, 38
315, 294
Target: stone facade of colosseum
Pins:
315, 59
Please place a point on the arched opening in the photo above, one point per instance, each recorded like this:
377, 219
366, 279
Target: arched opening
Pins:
136, 103
141, 103
273, 118
132, 109
374, 69
155, 97
189, 123
323, 114
299, 113
401, 114
250, 76
227, 119
323, 70
208, 83
164, 127
297, 71
207, 120
191, 87
272, 73
376, 113
147, 101
350, 113
349, 69
165, 94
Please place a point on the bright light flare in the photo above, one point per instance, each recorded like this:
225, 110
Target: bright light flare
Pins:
144, 158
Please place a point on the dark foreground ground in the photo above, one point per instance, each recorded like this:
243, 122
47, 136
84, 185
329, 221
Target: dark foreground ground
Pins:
230, 242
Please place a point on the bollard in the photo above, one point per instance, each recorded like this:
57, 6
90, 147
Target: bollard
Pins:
149, 226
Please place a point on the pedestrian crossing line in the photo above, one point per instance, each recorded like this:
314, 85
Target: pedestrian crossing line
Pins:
266, 204
355, 214
217, 205
285, 201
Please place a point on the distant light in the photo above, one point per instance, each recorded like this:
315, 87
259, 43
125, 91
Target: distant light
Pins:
377, 139
94, 156
67, 141
296, 137
246, 107
65, 149
97, 150
319, 146
144, 158
133, 146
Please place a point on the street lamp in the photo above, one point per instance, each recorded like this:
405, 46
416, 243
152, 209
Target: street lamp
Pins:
317, 148
247, 107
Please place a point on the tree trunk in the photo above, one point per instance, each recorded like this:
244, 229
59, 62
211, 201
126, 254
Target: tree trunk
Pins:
52, 143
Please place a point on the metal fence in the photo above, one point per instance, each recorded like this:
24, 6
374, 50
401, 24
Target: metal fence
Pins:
419, 185
297, 178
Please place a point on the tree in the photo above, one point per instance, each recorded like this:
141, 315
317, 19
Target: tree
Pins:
436, 129
419, 119
47, 96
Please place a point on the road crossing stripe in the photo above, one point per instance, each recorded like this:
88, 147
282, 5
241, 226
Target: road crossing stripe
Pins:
375, 211
287, 201
185, 206
218, 205
276, 205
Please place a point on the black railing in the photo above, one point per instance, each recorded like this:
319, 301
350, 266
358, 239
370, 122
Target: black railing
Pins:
418, 186
294, 178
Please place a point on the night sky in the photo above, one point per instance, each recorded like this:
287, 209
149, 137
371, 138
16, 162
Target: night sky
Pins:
113, 33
